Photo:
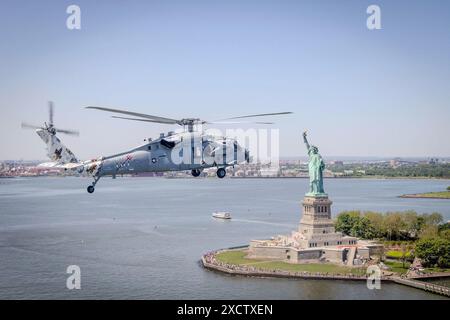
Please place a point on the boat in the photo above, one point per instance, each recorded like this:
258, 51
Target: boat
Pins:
221, 215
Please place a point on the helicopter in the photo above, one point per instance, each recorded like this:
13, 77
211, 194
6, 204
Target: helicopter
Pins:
191, 149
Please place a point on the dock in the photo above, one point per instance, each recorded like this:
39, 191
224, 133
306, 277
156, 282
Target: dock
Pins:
430, 287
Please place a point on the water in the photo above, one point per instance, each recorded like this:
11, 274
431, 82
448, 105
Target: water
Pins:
141, 238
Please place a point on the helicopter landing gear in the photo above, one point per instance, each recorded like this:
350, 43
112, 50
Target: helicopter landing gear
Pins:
196, 172
221, 173
91, 188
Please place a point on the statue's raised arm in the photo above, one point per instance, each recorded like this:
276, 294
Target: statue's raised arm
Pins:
306, 141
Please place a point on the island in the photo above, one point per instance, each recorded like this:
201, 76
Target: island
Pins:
354, 246
429, 195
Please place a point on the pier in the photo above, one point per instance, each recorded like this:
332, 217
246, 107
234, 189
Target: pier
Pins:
431, 287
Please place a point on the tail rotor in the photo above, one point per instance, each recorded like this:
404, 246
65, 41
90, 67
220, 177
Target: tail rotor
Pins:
49, 127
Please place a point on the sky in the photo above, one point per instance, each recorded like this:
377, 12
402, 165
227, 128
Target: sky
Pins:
358, 92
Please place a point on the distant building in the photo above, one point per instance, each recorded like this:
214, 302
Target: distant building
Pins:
433, 161
270, 171
394, 163
337, 163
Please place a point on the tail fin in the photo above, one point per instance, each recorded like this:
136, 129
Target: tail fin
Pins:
56, 151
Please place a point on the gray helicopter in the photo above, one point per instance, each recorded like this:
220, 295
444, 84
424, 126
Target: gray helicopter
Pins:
191, 149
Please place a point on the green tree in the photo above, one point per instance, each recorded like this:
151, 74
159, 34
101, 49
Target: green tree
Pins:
346, 220
376, 221
434, 252
445, 234
412, 224
363, 228
429, 231
444, 226
433, 219
394, 225
406, 253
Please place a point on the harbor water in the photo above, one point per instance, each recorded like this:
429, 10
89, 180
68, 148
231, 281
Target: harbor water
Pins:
142, 238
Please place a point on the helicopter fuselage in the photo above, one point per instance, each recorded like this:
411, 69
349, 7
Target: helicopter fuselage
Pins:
174, 152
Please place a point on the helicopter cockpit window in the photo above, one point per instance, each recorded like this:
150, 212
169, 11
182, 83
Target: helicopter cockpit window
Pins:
167, 144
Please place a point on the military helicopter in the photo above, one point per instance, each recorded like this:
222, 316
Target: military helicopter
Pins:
192, 149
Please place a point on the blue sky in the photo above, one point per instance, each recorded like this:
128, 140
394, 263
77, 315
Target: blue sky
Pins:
358, 92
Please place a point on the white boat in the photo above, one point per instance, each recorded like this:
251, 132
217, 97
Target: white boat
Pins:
221, 215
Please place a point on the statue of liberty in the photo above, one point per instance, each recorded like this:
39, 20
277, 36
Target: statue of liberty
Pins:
315, 166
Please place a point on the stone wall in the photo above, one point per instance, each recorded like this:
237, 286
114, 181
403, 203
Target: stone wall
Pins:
314, 254
256, 251
334, 254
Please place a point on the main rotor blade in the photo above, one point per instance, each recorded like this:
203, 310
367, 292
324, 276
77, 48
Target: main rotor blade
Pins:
29, 126
69, 132
142, 115
136, 119
238, 122
50, 112
257, 115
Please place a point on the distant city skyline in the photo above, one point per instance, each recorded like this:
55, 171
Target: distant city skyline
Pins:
380, 93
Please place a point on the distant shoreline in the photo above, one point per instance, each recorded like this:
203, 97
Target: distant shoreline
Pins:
444, 195
234, 177
353, 177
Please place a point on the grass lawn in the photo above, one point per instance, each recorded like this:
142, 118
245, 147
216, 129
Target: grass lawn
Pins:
237, 257
397, 266
397, 254
440, 195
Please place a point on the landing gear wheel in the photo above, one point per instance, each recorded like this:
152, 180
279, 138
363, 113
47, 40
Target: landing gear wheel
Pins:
221, 173
91, 188
195, 172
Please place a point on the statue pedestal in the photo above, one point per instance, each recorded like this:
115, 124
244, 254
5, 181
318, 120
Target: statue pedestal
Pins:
316, 225
316, 195
316, 218
315, 239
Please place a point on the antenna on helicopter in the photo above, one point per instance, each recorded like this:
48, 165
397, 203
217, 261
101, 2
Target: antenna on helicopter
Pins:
185, 122
49, 126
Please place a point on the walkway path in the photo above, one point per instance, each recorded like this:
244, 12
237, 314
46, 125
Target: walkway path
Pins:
351, 256
432, 287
